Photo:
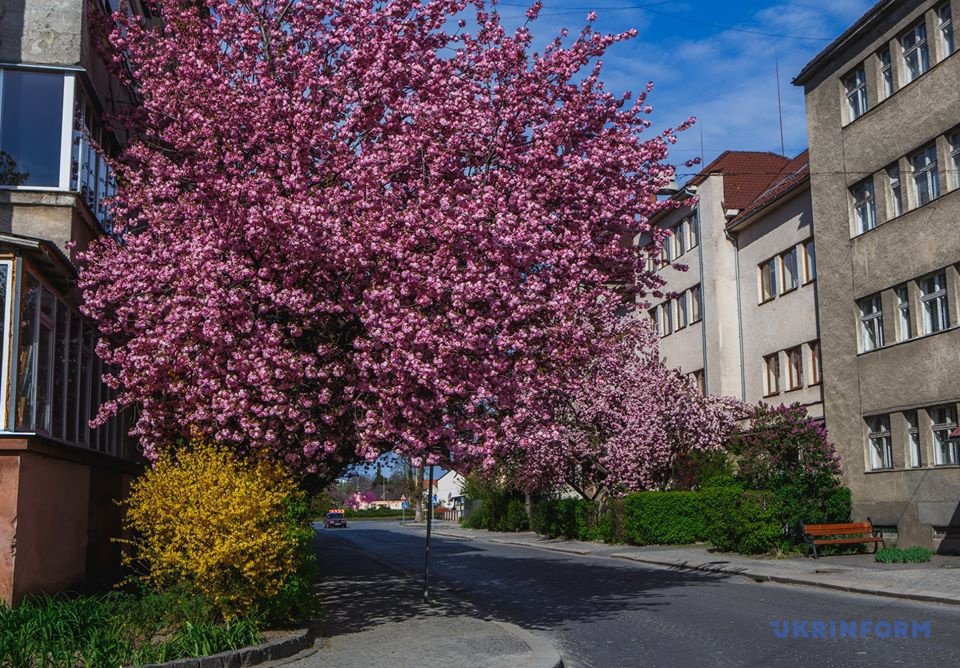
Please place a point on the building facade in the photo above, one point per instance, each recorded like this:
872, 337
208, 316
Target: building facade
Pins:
883, 113
740, 297
59, 477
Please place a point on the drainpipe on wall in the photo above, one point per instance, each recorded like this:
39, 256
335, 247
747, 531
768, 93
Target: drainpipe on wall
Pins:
736, 246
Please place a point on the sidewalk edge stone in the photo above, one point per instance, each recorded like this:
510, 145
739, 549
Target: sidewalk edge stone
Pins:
545, 655
274, 650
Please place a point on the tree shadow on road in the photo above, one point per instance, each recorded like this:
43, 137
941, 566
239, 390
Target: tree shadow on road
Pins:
532, 588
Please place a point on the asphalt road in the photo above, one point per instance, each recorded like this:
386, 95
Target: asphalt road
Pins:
606, 613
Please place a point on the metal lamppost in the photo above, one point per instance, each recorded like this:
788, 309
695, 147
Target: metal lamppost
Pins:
426, 551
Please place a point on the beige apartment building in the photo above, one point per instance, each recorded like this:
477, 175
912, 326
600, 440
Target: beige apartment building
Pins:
883, 112
740, 304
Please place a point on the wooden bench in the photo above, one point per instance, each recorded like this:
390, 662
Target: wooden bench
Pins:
849, 533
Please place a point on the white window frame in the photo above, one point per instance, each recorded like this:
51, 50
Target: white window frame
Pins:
696, 304
816, 373
666, 317
946, 452
789, 270
855, 86
895, 185
680, 238
682, 311
886, 73
768, 280
926, 178
694, 232
794, 368
913, 43
954, 141
880, 448
864, 206
914, 448
871, 321
934, 303
945, 25
904, 328
809, 261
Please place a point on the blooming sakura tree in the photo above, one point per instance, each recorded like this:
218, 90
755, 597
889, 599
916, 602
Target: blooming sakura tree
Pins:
351, 226
626, 423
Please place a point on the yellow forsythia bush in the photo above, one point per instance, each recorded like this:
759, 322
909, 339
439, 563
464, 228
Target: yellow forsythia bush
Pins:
209, 520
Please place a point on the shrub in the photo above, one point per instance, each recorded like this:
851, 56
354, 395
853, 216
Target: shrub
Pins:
234, 531
500, 509
663, 518
909, 555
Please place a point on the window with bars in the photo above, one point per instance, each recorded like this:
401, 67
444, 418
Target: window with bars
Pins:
903, 313
771, 365
880, 447
871, 323
856, 88
916, 55
926, 178
944, 421
933, 301
864, 206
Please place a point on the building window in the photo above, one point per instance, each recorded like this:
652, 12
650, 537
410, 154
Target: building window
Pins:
856, 86
655, 319
89, 173
886, 73
666, 317
871, 323
680, 238
916, 58
694, 232
682, 311
913, 441
933, 299
768, 280
954, 141
926, 179
944, 420
695, 307
896, 191
31, 122
698, 379
795, 368
881, 451
809, 261
789, 263
864, 206
945, 21
771, 364
815, 363
903, 313
666, 249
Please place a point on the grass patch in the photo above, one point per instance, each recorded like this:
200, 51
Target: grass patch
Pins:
116, 629
896, 555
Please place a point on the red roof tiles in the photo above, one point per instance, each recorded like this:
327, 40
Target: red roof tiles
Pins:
794, 173
746, 175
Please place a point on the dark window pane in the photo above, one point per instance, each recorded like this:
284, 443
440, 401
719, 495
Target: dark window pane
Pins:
27, 355
60, 370
73, 379
30, 126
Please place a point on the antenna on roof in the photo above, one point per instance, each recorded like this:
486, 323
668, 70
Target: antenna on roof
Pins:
701, 141
776, 62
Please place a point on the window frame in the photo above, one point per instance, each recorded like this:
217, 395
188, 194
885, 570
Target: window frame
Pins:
771, 370
936, 296
696, 304
768, 280
809, 261
887, 84
864, 202
895, 190
953, 141
794, 368
666, 317
795, 283
920, 46
945, 30
855, 90
904, 325
928, 173
914, 446
694, 232
682, 312
871, 321
878, 429
944, 444
816, 373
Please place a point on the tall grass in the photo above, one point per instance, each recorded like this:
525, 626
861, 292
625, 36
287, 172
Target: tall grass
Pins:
114, 629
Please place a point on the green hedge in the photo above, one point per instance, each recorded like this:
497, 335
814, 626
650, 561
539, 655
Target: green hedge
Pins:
729, 517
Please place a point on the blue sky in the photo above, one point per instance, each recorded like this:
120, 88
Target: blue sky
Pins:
709, 59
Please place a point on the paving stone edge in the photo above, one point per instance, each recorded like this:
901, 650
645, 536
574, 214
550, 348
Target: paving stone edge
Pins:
281, 648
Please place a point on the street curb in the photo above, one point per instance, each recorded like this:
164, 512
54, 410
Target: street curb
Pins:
545, 655
550, 547
274, 650
784, 579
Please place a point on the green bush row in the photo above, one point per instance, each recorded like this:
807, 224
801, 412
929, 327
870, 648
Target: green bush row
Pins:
729, 517
499, 512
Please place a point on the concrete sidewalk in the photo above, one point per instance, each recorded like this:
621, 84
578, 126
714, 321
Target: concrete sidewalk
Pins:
374, 617
936, 581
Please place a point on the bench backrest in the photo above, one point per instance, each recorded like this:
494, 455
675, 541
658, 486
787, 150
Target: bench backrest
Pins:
837, 529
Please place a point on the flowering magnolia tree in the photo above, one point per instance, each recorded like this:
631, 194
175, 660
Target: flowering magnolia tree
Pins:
350, 226
627, 423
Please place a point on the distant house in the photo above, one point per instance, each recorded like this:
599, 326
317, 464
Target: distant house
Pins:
449, 489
